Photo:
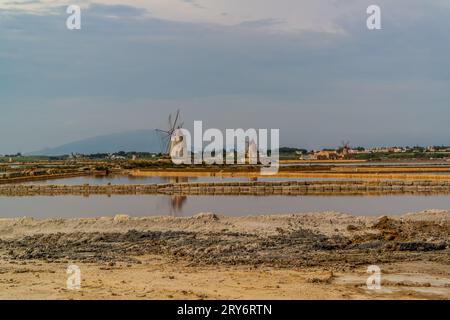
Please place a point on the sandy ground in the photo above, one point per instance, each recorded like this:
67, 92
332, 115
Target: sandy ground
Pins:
301, 256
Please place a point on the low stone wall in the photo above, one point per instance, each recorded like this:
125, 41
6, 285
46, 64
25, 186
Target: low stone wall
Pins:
238, 188
42, 177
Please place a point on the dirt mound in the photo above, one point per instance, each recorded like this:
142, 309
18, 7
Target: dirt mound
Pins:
298, 248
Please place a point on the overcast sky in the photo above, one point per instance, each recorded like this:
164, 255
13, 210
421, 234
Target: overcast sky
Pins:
308, 67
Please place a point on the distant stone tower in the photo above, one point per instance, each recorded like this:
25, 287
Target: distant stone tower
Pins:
252, 152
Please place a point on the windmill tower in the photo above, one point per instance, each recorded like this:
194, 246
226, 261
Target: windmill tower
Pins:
172, 138
345, 148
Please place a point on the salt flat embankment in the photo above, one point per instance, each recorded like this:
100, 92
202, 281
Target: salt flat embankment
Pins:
239, 188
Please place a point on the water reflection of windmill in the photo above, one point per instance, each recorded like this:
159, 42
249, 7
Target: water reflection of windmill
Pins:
172, 138
176, 203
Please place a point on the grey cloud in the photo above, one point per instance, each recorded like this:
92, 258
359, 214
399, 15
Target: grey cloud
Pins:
24, 2
385, 87
194, 3
116, 10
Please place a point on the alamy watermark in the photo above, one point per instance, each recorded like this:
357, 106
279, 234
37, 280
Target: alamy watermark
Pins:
374, 280
74, 277
73, 22
236, 146
373, 22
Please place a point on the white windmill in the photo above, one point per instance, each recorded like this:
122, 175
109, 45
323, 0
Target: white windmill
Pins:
172, 140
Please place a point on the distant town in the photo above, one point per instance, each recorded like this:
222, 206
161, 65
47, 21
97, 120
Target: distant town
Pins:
343, 152
377, 153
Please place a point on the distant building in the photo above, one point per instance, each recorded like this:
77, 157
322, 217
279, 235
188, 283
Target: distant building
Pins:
325, 155
117, 157
307, 157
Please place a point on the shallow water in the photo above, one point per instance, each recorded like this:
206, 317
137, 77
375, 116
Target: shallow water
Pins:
160, 205
120, 179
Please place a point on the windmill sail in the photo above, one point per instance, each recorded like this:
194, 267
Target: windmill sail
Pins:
167, 141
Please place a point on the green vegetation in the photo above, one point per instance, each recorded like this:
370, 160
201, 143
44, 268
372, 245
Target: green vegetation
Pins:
16, 158
404, 155
287, 153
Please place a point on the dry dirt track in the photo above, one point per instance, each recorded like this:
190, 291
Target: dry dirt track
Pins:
304, 256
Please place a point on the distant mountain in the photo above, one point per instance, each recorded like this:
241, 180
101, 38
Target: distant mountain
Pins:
137, 140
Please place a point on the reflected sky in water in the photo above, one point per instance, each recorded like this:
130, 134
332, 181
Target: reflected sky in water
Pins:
120, 179
163, 205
